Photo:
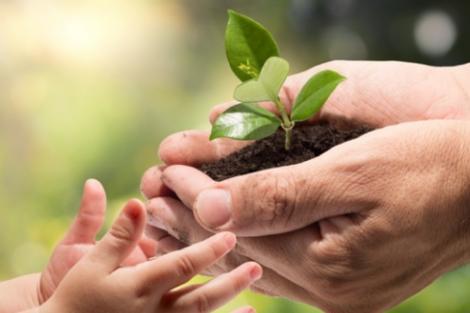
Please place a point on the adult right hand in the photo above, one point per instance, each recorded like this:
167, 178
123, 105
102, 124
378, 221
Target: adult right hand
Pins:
358, 229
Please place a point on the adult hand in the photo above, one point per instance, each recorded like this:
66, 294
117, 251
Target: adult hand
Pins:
372, 221
376, 93
385, 93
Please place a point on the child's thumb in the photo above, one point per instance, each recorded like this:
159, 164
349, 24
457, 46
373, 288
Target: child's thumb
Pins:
122, 238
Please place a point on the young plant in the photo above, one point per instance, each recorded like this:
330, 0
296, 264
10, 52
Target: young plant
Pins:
253, 56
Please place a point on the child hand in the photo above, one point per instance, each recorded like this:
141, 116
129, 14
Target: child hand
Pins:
97, 283
81, 238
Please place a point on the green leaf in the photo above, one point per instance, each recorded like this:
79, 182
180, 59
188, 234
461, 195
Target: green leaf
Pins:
245, 122
248, 45
314, 94
267, 85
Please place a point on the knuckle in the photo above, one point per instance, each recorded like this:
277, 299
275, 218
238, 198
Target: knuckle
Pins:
329, 251
149, 179
202, 303
216, 250
275, 197
141, 291
336, 268
185, 266
122, 233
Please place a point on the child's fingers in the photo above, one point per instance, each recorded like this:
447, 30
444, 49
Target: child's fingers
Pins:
90, 216
137, 256
219, 291
122, 238
148, 247
176, 268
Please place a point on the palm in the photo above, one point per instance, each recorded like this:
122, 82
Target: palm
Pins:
64, 257
80, 239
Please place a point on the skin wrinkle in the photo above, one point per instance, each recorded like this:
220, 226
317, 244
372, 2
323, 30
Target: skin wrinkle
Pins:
298, 195
346, 186
285, 198
41, 293
313, 200
381, 105
241, 216
423, 81
336, 263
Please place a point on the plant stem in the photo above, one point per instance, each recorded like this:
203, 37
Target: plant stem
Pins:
287, 124
288, 139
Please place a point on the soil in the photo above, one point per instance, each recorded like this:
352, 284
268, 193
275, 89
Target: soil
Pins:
308, 141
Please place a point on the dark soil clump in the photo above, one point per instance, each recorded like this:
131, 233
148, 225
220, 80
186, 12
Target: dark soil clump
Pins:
308, 141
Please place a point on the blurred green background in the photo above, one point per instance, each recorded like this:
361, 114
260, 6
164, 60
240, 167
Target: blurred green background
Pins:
89, 88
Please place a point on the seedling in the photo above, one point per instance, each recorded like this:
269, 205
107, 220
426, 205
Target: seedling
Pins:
253, 56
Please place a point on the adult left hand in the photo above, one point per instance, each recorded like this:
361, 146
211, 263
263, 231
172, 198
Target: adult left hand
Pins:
358, 229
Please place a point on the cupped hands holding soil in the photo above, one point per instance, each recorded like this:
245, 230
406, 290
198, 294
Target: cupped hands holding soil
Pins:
408, 185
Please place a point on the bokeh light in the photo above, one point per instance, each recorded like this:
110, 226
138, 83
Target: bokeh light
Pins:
435, 33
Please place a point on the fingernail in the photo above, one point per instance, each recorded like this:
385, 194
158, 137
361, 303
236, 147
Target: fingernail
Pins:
213, 207
155, 222
152, 217
132, 210
92, 182
256, 272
